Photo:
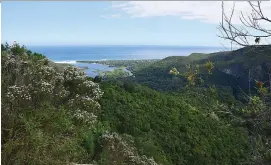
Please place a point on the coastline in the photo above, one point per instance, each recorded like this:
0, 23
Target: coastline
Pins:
130, 65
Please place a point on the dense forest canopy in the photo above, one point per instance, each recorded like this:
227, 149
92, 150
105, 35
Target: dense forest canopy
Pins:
201, 109
60, 111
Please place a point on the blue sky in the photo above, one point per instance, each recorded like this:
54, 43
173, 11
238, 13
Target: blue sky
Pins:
110, 23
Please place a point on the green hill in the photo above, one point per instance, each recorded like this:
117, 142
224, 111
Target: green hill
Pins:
171, 128
231, 69
55, 114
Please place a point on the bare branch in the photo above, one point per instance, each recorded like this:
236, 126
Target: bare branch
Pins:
250, 31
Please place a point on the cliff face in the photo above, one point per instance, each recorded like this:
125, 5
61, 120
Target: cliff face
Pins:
232, 68
245, 63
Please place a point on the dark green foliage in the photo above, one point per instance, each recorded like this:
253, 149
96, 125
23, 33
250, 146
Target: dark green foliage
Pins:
37, 56
130, 87
231, 69
4, 47
41, 124
46, 106
170, 129
97, 79
116, 73
44, 136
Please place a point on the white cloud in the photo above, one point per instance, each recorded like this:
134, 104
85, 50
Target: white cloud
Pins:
207, 11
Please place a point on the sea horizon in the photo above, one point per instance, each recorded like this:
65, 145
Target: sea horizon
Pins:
71, 54
118, 45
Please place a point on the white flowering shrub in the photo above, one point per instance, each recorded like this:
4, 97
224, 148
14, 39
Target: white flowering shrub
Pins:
48, 109
77, 82
119, 151
29, 77
49, 85
84, 102
85, 117
63, 93
8, 60
84, 94
73, 74
19, 95
91, 89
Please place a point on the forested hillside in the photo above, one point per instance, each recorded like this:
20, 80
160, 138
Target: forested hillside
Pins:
55, 114
232, 68
201, 109
171, 128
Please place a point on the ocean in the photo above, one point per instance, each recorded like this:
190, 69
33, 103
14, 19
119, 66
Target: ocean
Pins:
71, 54
77, 53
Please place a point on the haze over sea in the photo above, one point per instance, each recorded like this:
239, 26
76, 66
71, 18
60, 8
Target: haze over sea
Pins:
71, 54
79, 53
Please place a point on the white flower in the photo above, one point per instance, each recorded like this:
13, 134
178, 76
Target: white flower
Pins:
18, 93
85, 116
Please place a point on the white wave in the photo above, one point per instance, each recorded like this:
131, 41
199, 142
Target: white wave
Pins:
66, 62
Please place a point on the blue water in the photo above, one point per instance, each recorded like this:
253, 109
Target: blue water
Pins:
94, 67
71, 54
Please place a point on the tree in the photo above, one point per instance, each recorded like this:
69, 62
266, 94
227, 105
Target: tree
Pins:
194, 72
251, 30
97, 79
257, 113
49, 110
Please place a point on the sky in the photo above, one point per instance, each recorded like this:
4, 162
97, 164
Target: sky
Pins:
114, 23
